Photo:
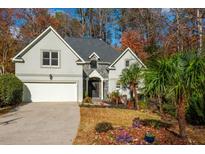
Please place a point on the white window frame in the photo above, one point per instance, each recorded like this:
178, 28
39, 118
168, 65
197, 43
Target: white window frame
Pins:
50, 59
126, 62
118, 86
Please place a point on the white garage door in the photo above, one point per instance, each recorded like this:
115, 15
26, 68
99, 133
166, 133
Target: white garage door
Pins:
50, 92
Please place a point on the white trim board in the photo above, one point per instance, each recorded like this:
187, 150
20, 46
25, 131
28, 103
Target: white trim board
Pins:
123, 53
16, 59
95, 74
93, 55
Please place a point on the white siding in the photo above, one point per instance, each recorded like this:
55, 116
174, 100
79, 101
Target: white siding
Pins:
31, 70
114, 75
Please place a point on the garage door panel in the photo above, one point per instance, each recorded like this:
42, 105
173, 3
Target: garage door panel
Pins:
50, 92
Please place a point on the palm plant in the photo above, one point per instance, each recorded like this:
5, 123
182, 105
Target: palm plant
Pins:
130, 78
156, 77
177, 77
188, 77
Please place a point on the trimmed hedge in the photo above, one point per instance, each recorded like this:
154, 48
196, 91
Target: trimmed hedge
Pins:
11, 90
103, 127
87, 100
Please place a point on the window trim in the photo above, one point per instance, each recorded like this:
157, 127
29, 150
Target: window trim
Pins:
50, 59
127, 60
116, 86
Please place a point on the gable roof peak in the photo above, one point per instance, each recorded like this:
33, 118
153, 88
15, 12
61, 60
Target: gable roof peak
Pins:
94, 54
126, 50
18, 58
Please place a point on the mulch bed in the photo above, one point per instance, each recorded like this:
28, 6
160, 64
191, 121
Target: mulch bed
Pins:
136, 136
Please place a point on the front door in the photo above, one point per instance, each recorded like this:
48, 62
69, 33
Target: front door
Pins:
94, 88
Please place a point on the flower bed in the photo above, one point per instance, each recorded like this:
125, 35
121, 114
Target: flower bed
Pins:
135, 136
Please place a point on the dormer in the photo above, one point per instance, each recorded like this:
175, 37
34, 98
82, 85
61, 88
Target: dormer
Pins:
94, 56
94, 60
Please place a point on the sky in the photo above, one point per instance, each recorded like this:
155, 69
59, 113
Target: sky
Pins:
112, 28
115, 34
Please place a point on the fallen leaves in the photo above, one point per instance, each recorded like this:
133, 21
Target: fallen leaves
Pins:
135, 136
122, 119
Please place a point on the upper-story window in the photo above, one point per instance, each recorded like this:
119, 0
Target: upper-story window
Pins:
93, 64
117, 85
127, 63
50, 58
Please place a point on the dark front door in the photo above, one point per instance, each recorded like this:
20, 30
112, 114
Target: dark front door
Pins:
94, 88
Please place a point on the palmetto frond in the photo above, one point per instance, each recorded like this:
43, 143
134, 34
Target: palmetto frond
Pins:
130, 75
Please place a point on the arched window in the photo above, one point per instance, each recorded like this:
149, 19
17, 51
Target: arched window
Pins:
93, 64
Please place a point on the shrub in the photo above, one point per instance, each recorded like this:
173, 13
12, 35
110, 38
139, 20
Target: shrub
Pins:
170, 109
11, 90
130, 105
195, 113
115, 97
155, 123
136, 122
87, 100
143, 105
103, 127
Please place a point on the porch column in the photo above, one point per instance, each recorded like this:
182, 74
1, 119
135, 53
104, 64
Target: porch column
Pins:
102, 88
86, 87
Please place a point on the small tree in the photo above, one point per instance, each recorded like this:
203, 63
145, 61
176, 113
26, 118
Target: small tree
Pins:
129, 78
184, 74
156, 77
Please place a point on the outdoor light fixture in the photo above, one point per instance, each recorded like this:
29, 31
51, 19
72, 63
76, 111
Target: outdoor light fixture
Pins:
51, 76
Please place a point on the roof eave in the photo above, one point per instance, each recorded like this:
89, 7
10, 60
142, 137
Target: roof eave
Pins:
15, 58
127, 49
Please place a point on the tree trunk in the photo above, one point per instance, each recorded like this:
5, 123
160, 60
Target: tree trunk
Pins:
131, 93
199, 24
179, 38
181, 117
100, 22
136, 96
83, 26
160, 104
1, 69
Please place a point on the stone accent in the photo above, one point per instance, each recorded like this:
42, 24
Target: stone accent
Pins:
105, 89
102, 70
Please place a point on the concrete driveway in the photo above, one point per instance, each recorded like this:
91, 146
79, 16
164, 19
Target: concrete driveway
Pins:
40, 123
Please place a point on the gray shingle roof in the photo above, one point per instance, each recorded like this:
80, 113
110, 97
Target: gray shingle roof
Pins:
86, 46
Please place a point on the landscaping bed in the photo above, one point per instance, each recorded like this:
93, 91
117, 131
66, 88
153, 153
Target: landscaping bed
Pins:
136, 136
165, 131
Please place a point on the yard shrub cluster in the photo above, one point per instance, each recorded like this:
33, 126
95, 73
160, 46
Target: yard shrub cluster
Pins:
115, 97
155, 123
169, 108
87, 100
195, 113
103, 127
11, 90
143, 105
